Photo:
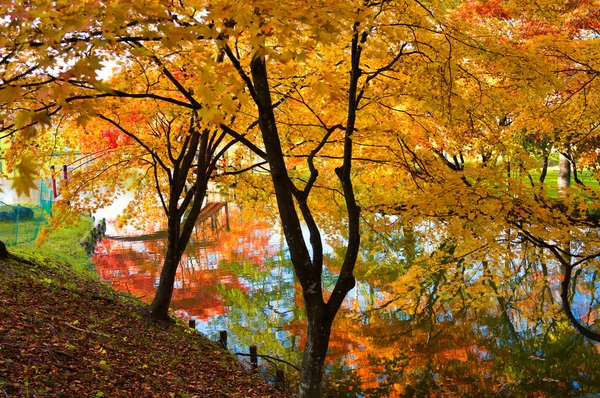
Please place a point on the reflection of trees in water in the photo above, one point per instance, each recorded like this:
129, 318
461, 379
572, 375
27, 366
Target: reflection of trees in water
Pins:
450, 324
262, 315
422, 321
394, 357
134, 266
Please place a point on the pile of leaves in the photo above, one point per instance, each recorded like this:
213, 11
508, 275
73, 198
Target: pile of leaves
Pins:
64, 334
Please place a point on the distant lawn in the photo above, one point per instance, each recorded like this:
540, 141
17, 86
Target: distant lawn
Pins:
551, 180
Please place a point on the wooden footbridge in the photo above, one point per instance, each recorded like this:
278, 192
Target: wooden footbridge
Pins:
208, 211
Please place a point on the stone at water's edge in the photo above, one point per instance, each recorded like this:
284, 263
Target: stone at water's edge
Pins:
3, 251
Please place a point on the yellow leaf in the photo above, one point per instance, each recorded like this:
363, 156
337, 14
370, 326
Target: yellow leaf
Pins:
228, 104
210, 115
9, 94
22, 119
42, 118
28, 132
141, 52
83, 120
26, 171
320, 87
289, 70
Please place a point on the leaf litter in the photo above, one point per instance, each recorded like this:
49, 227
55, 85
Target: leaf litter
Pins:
63, 334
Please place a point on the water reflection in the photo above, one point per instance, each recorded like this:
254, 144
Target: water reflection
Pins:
131, 259
409, 328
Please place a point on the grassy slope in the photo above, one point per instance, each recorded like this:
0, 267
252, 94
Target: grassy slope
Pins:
65, 333
62, 245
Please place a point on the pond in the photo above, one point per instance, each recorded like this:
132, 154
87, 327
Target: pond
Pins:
440, 331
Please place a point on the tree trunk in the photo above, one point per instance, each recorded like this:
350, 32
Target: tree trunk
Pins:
178, 236
566, 304
307, 270
308, 265
315, 351
199, 150
564, 174
546, 159
162, 299
3, 251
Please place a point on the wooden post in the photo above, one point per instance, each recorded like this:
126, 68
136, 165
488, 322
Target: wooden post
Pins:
223, 338
253, 358
54, 193
227, 217
279, 379
65, 173
192, 323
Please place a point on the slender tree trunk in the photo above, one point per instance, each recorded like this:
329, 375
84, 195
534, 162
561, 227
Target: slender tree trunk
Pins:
546, 159
183, 203
564, 173
179, 230
566, 304
320, 315
178, 236
164, 292
308, 265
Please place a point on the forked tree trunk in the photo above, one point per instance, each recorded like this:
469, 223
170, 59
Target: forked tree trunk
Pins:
178, 236
308, 270
565, 261
291, 200
199, 150
179, 230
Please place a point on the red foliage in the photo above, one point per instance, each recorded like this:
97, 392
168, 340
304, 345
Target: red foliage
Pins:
487, 9
136, 118
114, 138
586, 17
21, 15
532, 28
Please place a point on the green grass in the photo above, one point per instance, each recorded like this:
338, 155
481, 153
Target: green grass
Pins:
11, 232
24, 230
62, 244
551, 181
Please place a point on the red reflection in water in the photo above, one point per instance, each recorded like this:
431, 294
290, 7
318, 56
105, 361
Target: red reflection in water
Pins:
134, 266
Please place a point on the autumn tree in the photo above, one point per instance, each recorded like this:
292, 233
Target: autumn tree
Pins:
401, 108
176, 139
167, 151
77, 84
468, 174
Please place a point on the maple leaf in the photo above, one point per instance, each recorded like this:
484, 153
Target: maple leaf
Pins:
26, 172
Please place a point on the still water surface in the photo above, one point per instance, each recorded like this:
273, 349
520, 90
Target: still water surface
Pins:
392, 338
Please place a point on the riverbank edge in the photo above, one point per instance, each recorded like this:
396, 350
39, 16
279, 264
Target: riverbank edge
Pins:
65, 333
